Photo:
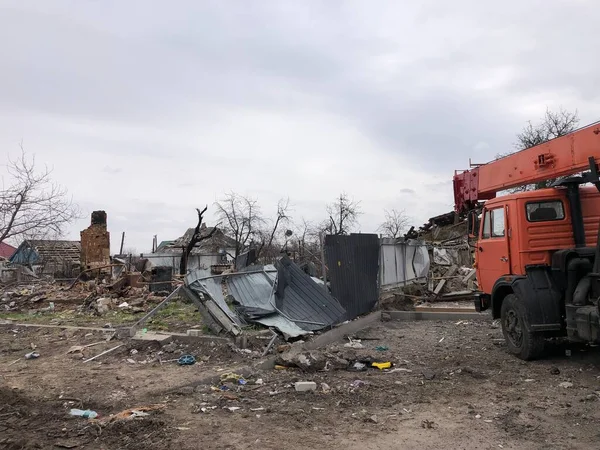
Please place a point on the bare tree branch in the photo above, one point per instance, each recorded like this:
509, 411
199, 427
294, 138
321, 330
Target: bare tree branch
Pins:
242, 219
395, 223
554, 124
32, 203
343, 215
195, 239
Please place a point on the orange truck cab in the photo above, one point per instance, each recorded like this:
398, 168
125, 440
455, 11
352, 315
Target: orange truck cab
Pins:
537, 254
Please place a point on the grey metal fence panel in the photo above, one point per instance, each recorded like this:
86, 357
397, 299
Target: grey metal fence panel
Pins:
402, 261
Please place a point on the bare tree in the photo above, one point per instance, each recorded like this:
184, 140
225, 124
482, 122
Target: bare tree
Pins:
196, 238
343, 215
269, 230
31, 203
554, 124
395, 223
241, 218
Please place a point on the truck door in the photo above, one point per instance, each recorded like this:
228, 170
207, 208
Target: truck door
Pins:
492, 248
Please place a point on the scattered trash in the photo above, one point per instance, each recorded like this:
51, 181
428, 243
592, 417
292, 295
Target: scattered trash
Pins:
32, 355
124, 305
529, 380
357, 383
357, 367
304, 386
103, 353
372, 419
133, 351
478, 416
130, 361
382, 365
555, 371
382, 348
76, 349
88, 414
354, 344
441, 340
132, 413
428, 424
400, 369
259, 381
428, 374
279, 367
231, 377
186, 360
565, 384
325, 388
232, 408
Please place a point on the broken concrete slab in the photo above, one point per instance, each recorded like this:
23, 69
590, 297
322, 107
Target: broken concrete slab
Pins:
152, 336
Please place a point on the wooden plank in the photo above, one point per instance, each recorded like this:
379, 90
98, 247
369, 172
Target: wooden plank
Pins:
469, 276
451, 271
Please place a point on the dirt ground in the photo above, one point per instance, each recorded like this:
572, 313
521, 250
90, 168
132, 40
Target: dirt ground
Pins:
452, 386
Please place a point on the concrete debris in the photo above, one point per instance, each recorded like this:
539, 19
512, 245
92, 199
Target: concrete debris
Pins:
305, 386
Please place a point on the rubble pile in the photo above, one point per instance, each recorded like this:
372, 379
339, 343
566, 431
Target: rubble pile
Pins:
93, 296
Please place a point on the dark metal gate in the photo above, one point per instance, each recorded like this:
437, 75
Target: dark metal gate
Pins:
353, 266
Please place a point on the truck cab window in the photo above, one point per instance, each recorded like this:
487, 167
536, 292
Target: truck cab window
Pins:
545, 211
487, 225
498, 222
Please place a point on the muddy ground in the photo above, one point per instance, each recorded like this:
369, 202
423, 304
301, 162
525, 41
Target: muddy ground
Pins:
452, 386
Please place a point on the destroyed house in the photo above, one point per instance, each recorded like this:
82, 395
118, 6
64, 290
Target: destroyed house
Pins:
49, 257
209, 254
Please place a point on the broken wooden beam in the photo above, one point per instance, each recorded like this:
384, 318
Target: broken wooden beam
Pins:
451, 271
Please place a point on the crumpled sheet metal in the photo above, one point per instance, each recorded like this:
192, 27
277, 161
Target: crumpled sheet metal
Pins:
288, 300
212, 288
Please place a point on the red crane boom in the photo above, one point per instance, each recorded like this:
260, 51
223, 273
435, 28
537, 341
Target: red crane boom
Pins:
563, 156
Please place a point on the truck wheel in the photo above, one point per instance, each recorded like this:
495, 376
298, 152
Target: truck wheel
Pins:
520, 340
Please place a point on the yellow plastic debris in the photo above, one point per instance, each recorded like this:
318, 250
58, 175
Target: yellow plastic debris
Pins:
382, 365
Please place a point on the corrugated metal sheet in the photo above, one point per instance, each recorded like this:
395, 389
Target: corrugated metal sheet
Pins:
288, 299
353, 264
304, 301
211, 287
254, 290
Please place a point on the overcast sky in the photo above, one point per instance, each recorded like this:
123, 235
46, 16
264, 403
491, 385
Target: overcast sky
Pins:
148, 109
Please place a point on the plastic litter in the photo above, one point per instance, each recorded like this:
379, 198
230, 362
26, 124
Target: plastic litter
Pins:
382, 365
382, 348
32, 355
186, 360
88, 413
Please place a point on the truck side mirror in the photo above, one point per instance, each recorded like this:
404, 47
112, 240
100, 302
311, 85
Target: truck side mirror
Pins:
473, 224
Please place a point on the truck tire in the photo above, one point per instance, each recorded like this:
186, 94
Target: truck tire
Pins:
520, 340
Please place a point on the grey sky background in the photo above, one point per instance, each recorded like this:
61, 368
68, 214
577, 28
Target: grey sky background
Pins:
147, 109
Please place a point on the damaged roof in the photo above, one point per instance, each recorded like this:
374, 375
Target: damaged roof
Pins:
34, 251
217, 241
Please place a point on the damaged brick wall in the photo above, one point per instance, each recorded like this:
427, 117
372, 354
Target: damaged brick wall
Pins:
95, 242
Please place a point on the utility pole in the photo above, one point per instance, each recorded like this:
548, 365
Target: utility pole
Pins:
122, 242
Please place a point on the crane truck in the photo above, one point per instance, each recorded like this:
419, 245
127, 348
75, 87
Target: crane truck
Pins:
537, 254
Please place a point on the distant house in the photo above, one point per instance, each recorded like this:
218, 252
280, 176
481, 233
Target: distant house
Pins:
49, 257
6, 250
207, 254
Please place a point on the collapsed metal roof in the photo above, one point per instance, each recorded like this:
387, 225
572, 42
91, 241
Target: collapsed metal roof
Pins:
283, 297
